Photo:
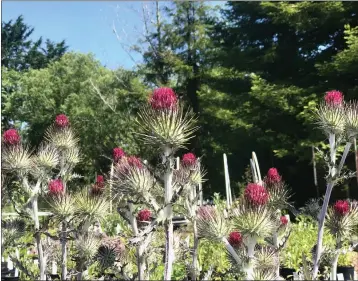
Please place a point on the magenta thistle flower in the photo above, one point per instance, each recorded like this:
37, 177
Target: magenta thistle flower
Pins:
134, 162
273, 176
283, 220
144, 215
11, 137
100, 181
188, 160
334, 98
55, 187
341, 207
256, 194
118, 153
163, 99
62, 121
235, 239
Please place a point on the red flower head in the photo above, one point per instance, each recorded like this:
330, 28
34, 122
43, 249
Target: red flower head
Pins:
134, 162
235, 239
144, 215
273, 176
341, 207
188, 160
100, 181
55, 187
163, 98
11, 137
256, 194
334, 98
206, 212
118, 153
62, 121
284, 220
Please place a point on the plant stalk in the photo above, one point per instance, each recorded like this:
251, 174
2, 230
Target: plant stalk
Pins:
333, 175
195, 251
64, 251
168, 225
42, 262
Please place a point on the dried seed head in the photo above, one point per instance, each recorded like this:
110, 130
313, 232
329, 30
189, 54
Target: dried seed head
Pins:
256, 194
11, 137
62, 121
163, 99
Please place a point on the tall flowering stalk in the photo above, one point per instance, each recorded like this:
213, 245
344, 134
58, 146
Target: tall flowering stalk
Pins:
165, 125
339, 121
191, 175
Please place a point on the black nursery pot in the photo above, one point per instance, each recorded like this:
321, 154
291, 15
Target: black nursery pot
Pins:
287, 273
4, 264
55, 276
348, 272
10, 278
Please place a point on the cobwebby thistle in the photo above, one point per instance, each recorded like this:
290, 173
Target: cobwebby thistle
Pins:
206, 212
334, 98
273, 176
163, 99
256, 194
55, 187
144, 215
351, 114
118, 153
331, 113
98, 187
189, 160
163, 122
235, 239
62, 121
341, 207
11, 137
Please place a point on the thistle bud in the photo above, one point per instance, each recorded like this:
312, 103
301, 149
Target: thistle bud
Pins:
189, 160
256, 194
62, 121
283, 220
144, 215
235, 239
118, 153
163, 99
100, 181
273, 176
55, 187
341, 207
334, 98
11, 137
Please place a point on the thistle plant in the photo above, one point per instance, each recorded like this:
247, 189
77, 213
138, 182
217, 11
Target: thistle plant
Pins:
342, 218
339, 122
166, 127
255, 230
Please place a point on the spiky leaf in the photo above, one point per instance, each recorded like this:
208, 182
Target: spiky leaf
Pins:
213, 226
63, 138
171, 128
17, 159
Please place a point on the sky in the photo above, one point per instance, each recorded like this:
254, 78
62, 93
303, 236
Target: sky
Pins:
87, 26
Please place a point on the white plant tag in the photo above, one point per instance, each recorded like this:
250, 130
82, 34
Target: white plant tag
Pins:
296, 276
340, 276
54, 267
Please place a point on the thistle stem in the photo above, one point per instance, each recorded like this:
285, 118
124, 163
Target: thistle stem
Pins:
231, 250
64, 251
168, 225
42, 263
333, 175
335, 259
195, 251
